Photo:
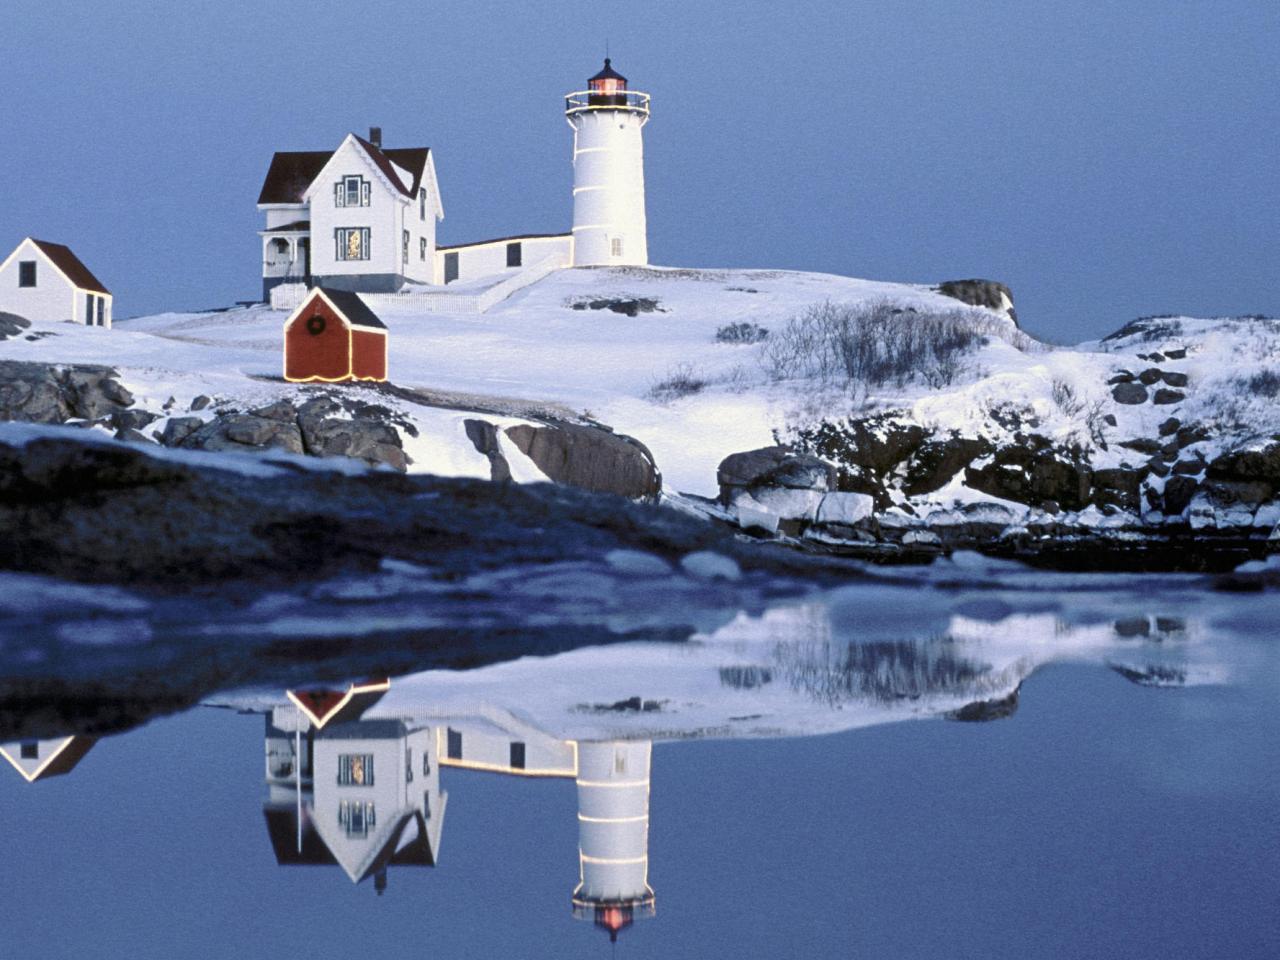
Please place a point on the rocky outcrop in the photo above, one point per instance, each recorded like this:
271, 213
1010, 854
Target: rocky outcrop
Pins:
590, 458
43, 393
11, 325
319, 427
484, 437
991, 294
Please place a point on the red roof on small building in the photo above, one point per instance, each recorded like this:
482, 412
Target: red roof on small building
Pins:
71, 266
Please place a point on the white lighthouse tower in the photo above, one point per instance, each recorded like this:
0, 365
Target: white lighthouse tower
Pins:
613, 835
608, 171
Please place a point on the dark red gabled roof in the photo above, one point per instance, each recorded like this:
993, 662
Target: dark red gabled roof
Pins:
291, 172
75, 271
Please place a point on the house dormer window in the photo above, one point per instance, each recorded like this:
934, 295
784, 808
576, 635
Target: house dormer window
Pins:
351, 192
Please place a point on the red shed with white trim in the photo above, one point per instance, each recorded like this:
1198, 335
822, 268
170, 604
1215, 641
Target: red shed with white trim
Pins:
334, 336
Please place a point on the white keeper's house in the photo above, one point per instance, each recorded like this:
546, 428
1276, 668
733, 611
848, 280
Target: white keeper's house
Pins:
363, 217
47, 282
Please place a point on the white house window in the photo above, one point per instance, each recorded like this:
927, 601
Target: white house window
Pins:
404, 246
352, 243
615, 246
422, 248
102, 311
422, 203
514, 254
26, 273
355, 770
351, 192
356, 818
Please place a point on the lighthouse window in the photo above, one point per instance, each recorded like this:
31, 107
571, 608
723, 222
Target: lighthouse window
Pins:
351, 192
615, 246
514, 254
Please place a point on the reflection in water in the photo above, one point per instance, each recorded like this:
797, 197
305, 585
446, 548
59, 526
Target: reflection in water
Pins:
365, 794
41, 759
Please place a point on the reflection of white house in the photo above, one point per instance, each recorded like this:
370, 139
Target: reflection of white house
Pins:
364, 795
42, 759
46, 282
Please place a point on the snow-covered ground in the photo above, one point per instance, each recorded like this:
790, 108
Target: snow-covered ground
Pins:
603, 364
534, 346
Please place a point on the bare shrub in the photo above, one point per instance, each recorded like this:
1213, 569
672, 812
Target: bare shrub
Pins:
1095, 421
682, 380
741, 333
880, 343
1065, 398
1264, 383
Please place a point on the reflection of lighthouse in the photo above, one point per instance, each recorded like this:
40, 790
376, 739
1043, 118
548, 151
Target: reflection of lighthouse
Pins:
608, 171
613, 834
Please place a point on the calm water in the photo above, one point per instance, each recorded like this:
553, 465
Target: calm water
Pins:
1104, 817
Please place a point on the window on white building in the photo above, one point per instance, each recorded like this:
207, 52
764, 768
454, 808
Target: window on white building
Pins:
351, 243
514, 254
404, 246
356, 818
615, 246
26, 273
422, 249
351, 192
422, 203
355, 770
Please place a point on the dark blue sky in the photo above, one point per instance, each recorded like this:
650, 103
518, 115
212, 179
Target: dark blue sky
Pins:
1105, 160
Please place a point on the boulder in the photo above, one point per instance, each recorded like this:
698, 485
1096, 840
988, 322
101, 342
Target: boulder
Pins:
238, 431
788, 503
1130, 394
200, 402
800, 472
133, 419
1261, 464
1170, 427
1142, 445
484, 437
845, 508
1034, 474
11, 325
1230, 493
991, 294
1150, 376
178, 429
1178, 492
1118, 488
936, 462
742, 469
1174, 379
1179, 354
1164, 397
590, 458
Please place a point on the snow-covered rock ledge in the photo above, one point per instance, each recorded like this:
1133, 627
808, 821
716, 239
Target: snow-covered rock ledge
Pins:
1157, 448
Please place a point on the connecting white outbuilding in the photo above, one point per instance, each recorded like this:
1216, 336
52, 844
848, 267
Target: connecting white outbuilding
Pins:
47, 282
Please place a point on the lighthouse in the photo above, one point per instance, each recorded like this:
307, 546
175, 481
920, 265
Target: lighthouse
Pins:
613, 835
608, 171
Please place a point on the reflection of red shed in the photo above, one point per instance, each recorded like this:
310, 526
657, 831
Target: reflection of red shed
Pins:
334, 336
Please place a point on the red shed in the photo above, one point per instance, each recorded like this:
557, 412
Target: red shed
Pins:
334, 336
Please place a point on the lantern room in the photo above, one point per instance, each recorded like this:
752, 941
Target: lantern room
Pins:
607, 88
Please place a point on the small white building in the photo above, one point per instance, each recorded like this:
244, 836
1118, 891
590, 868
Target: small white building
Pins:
359, 218
47, 282
42, 759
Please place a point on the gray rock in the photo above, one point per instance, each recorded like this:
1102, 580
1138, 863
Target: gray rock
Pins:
590, 458
1178, 492
1133, 627
1175, 379
1189, 467
980, 293
484, 437
281, 410
1229, 493
134, 419
743, 469
799, 472
1170, 427
1179, 354
1165, 397
1150, 376
1124, 376
1118, 488
1192, 433
130, 435
11, 325
200, 402
178, 429
1143, 445
1130, 394
237, 431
